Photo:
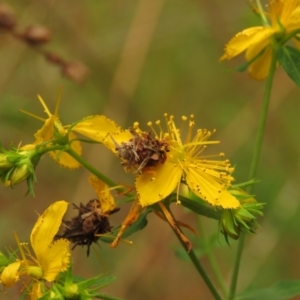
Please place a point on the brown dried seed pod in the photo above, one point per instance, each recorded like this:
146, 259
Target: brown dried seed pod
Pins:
85, 228
142, 151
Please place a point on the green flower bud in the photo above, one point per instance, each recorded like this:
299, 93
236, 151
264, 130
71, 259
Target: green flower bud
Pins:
16, 165
5, 164
55, 296
18, 175
228, 225
71, 292
233, 221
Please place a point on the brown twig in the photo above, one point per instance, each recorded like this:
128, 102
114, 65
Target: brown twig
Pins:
36, 36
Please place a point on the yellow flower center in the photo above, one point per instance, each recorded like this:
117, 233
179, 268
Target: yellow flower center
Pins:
178, 154
35, 272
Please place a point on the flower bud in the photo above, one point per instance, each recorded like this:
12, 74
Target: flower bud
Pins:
5, 164
228, 225
18, 174
16, 165
71, 291
242, 219
56, 296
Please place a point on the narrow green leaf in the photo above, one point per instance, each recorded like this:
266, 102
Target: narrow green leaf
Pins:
289, 59
282, 290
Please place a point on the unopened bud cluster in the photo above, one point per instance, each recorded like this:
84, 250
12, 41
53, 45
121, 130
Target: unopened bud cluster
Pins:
17, 165
242, 219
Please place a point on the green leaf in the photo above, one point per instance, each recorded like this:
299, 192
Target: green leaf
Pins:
282, 290
289, 59
106, 297
99, 280
243, 67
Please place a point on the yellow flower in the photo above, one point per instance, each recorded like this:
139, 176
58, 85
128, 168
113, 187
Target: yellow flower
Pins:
53, 128
283, 19
208, 179
51, 257
163, 160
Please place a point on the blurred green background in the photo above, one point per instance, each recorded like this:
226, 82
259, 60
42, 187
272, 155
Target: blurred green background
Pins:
147, 58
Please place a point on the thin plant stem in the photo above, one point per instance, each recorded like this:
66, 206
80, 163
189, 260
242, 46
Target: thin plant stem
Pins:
261, 14
197, 265
94, 171
254, 165
212, 260
262, 121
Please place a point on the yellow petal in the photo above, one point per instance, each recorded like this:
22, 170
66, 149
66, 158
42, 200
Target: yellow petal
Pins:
28, 147
106, 199
259, 69
10, 274
64, 159
255, 49
36, 291
45, 229
56, 259
207, 188
157, 185
293, 22
46, 132
246, 38
97, 127
287, 7
113, 138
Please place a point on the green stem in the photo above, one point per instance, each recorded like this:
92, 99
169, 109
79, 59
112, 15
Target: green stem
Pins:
94, 171
212, 260
68, 149
261, 14
263, 119
254, 165
197, 264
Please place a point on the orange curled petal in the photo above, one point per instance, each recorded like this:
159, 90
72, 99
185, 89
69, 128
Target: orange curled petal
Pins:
132, 216
172, 222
